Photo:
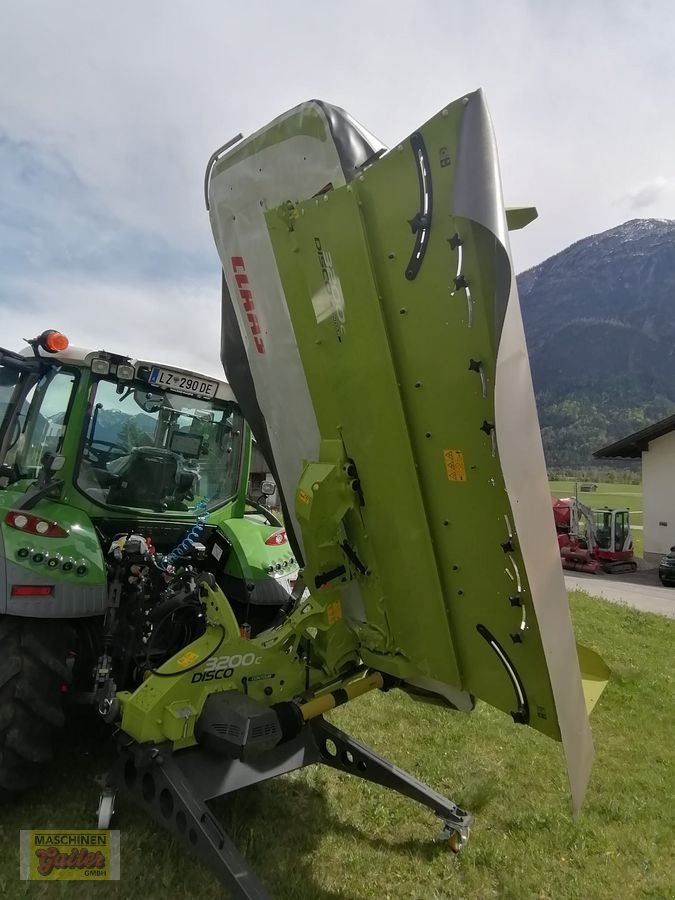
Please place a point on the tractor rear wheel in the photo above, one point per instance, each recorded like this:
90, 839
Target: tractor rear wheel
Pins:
33, 672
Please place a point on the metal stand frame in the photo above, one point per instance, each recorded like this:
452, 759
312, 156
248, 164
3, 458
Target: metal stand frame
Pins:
174, 787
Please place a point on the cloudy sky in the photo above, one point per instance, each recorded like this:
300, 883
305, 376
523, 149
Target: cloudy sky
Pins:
108, 113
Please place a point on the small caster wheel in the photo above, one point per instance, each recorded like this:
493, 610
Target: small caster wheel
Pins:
455, 835
106, 808
457, 841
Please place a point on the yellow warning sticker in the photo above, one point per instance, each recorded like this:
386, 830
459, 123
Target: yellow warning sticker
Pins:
454, 465
334, 612
304, 497
187, 659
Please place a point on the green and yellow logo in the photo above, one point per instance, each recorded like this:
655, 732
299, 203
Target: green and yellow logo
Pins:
77, 855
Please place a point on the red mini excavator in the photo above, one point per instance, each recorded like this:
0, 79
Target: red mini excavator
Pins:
593, 540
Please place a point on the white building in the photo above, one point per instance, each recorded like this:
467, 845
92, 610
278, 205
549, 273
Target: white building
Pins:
655, 445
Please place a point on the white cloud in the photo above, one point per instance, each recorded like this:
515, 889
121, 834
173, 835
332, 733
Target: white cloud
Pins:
652, 196
170, 323
136, 96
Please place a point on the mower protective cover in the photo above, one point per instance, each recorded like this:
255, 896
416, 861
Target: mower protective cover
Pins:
371, 325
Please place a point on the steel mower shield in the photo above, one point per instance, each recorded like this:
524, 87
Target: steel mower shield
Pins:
373, 337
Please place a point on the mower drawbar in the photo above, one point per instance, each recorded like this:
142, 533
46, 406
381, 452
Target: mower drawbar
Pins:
241, 742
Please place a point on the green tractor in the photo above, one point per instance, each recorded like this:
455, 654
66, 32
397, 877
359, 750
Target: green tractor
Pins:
115, 473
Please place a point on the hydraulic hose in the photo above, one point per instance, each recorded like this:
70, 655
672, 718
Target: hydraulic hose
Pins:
191, 538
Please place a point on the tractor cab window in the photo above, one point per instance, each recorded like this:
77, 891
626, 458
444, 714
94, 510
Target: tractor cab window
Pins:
160, 450
38, 427
10, 429
8, 381
621, 530
603, 528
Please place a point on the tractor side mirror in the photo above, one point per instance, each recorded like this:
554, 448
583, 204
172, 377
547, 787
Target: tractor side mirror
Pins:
57, 463
148, 402
50, 465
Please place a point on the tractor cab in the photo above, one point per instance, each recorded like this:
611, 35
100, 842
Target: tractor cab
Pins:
612, 530
99, 445
124, 441
159, 450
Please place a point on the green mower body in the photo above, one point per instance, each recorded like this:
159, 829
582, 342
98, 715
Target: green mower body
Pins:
376, 292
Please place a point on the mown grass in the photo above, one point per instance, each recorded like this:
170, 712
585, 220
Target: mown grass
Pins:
317, 835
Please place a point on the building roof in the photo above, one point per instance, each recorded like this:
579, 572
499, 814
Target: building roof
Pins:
631, 447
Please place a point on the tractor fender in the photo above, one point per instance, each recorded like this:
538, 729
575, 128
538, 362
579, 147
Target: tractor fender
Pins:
76, 591
252, 556
261, 569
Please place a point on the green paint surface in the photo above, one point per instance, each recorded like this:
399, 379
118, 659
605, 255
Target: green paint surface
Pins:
389, 371
81, 543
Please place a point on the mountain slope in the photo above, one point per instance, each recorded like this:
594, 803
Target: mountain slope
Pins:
600, 325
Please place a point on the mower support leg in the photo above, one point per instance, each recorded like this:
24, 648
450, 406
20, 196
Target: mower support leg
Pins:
163, 791
340, 751
174, 789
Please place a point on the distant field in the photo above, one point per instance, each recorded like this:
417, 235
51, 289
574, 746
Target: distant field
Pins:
612, 495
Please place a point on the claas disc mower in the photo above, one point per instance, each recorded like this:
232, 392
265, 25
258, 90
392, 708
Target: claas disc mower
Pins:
373, 340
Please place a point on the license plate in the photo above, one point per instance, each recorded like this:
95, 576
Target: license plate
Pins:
183, 384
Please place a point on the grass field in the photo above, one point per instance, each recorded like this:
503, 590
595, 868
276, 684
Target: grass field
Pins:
612, 495
318, 835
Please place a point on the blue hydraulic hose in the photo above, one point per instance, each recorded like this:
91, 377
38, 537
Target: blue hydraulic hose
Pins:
190, 539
